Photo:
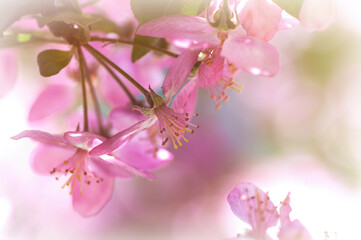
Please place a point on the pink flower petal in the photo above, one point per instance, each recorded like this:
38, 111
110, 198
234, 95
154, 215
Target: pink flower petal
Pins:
42, 137
121, 138
122, 118
84, 140
186, 99
118, 166
317, 14
211, 70
53, 99
287, 21
260, 19
254, 207
180, 27
251, 55
93, 197
179, 72
140, 154
47, 157
7, 71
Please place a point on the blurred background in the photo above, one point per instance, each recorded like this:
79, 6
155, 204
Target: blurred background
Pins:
298, 132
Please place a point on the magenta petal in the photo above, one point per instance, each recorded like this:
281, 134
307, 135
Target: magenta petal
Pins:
186, 99
119, 139
210, 73
122, 118
93, 197
42, 137
251, 55
140, 154
7, 71
260, 19
180, 27
47, 157
53, 99
254, 207
84, 140
179, 72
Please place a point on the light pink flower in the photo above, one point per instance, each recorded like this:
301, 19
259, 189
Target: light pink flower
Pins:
317, 14
172, 122
90, 178
245, 48
254, 207
291, 230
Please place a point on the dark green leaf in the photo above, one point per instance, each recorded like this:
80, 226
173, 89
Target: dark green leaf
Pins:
293, 7
139, 52
51, 61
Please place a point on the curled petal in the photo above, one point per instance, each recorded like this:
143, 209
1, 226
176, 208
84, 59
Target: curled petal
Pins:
84, 140
251, 55
53, 99
179, 72
254, 207
186, 99
121, 138
42, 137
287, 21
7, 71
180, 27
317, 14
260, 19
89, 199
47, 157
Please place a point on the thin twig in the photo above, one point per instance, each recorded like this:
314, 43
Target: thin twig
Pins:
83, 87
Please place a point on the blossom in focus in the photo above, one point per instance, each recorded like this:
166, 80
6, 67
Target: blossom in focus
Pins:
90, 178
172, 121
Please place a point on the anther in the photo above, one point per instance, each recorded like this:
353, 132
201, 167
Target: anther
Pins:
66, 162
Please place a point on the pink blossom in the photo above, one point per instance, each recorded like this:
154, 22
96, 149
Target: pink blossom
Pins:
172, 122
291, 230
254, 207
91, 178
317, 14
243, 43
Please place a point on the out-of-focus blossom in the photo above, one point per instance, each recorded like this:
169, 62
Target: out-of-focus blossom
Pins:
291, 230
254, 207
173, 122
317, 14
91, 178
7, 70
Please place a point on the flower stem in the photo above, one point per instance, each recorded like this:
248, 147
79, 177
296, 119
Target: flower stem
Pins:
83, 87
154, 48
93, 96
117, 79
95, 52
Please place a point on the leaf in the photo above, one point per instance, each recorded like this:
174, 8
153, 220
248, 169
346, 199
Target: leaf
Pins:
145, 11
51, 61
293, 7
139, 52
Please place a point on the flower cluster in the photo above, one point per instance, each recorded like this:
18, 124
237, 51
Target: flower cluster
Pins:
98, 63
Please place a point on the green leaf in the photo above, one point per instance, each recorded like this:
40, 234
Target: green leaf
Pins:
139, 52
51, 61
293, 7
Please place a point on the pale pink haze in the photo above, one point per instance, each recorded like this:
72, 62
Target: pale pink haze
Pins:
317, 14
8, 70
90, 178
